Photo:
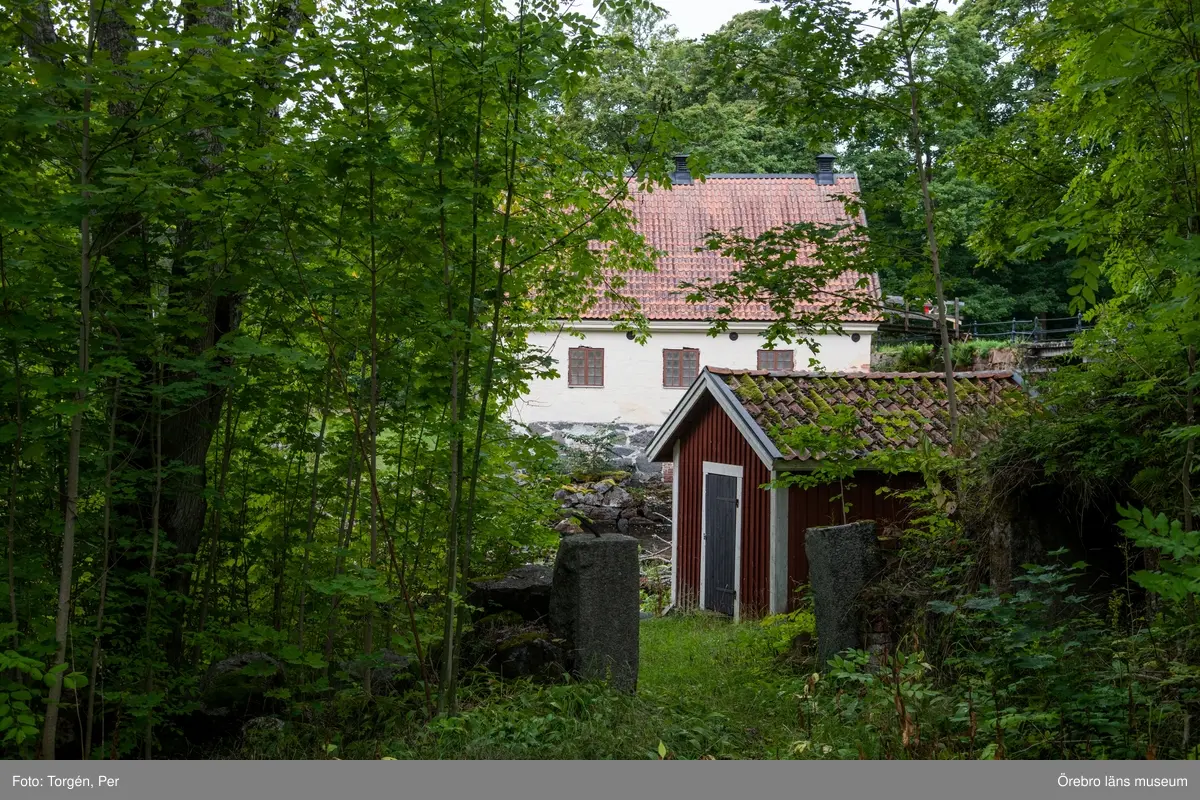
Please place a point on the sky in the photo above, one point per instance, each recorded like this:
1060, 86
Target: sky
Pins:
695, 18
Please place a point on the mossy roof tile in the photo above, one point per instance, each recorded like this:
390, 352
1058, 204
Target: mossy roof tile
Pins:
893, 409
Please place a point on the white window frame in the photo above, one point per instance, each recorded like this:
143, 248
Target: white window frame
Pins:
733, 471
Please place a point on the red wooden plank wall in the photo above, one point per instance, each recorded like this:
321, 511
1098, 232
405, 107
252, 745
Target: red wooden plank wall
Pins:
713, 437
814, 507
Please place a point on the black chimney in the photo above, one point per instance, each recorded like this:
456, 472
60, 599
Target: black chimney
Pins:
825, 169
681, 175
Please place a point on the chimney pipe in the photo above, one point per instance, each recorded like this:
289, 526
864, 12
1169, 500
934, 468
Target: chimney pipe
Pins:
682, 175
825, 169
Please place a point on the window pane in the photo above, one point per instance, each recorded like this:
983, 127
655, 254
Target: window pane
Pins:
775, 359
691, 365
595, 368
680, 366
575, 366
585, 367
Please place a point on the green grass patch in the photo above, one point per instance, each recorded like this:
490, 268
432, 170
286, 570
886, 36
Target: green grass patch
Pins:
707, 688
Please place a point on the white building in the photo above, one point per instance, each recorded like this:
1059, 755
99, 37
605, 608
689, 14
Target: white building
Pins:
604, 376
640, 384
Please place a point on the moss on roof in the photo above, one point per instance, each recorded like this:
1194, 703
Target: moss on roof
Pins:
894, 410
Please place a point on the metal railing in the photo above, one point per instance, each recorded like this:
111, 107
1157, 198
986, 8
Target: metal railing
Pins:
1028, 330
1025, 331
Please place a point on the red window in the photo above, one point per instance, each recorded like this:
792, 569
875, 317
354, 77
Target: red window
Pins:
775, 359
680, 367
586, 366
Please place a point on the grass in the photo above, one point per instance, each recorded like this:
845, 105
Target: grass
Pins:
707, 689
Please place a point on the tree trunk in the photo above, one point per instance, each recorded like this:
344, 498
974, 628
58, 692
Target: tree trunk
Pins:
1188, 459
372, 408
155, 509
108, 478
217, 518
311, 525
15, 472
919, 165
285, 536
345, 528
70, 517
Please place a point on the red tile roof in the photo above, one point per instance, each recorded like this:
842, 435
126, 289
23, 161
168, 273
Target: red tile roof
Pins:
894, 409
676, 221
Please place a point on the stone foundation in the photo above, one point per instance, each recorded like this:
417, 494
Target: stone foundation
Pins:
628, 449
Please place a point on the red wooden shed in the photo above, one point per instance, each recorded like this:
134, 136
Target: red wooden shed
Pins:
737, 547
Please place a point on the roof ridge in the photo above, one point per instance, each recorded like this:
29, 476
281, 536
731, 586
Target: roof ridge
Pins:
872, 375
805, 175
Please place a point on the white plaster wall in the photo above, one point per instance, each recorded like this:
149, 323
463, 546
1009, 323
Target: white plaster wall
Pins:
633, 390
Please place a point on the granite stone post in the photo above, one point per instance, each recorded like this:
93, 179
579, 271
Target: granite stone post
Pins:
841, 559
594, 605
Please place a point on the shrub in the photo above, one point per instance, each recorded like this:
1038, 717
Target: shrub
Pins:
781, 630
590, 455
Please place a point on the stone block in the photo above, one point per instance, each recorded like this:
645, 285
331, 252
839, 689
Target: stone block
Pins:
600, 513
841, 560
594, 607
618, 497
524, 590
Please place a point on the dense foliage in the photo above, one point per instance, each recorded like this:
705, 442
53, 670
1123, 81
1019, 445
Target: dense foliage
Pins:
266, 275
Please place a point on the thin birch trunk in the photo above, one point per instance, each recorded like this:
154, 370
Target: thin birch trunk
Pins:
218, 518
498, 304
11, 525
285, 539
311, 524
345, 526
155, 510
372, 406
70, 507
918, 149
444, 704
1188, 459
108, 480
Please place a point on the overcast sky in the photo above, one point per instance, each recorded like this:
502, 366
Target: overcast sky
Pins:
694, 18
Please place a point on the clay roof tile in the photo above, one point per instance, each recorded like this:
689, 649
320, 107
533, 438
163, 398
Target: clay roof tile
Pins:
676, 222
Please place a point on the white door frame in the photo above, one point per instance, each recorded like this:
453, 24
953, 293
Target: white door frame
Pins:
733, 471
675, 525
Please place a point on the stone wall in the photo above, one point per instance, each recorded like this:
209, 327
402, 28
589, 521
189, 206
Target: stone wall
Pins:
617, 507
628, 449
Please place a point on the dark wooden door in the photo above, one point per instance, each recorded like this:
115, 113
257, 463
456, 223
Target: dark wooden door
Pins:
720, 542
